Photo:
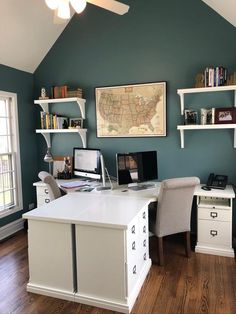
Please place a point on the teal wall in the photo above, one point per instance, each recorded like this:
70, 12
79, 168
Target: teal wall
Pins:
158, 40
21, 83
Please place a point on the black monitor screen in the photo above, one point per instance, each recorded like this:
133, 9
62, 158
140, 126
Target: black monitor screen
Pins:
87, 162
136, 167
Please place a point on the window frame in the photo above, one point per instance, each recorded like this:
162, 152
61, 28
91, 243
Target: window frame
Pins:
14, 128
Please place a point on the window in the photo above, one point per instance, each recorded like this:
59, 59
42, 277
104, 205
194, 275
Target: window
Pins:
10, 171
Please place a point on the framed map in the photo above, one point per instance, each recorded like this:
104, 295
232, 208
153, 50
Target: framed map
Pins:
131, 110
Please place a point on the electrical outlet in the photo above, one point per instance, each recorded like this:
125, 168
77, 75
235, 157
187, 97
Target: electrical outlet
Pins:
31, 206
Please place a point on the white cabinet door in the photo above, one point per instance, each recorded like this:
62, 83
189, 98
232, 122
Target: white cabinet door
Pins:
50, 256
100, 263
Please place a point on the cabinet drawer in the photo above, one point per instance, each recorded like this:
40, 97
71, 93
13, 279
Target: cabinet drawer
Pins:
214, 214
214, 232
42, 190
42, 200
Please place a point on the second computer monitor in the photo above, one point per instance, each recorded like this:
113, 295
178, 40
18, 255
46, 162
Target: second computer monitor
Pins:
136, 167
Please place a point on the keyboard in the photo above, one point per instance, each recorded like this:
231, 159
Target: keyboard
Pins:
141, 187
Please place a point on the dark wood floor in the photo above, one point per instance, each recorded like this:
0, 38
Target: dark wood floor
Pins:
202, 284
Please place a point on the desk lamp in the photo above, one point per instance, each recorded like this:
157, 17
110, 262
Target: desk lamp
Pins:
48, 158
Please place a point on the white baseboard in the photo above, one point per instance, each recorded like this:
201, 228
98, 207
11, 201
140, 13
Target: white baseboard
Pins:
51, 292
11, 228
214, 251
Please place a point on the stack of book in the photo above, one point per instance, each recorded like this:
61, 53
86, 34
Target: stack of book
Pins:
72, 92
53, 121
215, 76
66, 92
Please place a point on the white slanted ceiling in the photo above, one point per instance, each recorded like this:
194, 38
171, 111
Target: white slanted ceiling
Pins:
27, 33
226, 8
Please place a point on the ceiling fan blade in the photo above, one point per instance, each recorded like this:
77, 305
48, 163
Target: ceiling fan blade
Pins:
111, 5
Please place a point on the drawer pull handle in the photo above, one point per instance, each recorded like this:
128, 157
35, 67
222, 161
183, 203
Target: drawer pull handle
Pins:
134, 270
214, 214
133, 229
46, 191
144, 229
213, 233
133, 246
47, 200
145, 256
144, 215
144, 243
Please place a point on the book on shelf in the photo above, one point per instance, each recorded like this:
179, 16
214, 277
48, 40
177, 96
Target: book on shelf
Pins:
53, 121
65, 91
215, 76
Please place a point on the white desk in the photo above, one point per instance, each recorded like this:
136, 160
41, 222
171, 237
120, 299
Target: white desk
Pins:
90, 248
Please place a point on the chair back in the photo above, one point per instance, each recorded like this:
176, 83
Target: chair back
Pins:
53, 189
174, 206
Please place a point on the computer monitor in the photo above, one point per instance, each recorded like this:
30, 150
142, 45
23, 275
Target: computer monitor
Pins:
87, 163
136, 167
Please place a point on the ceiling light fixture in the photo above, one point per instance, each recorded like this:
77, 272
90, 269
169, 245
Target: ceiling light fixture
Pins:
62, 7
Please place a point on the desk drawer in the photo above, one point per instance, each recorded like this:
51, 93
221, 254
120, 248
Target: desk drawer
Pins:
42, 190
42, 200
214, 232
214, 214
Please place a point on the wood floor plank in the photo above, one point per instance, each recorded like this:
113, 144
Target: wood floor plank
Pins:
201, 284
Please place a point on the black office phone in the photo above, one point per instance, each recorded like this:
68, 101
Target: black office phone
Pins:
217, 181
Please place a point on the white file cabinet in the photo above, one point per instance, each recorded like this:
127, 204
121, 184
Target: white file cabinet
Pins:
214, 223
41, 193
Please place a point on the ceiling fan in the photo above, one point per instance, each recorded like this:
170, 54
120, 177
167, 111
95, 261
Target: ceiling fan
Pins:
62, 7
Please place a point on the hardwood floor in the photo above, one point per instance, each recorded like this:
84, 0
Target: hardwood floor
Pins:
202, 284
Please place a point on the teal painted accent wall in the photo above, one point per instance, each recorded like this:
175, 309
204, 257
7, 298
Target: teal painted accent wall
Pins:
158, 40
21, 83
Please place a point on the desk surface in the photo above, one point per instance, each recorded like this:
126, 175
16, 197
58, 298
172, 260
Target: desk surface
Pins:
108, 208
91, 209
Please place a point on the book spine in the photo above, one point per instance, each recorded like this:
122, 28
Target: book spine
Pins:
42, 120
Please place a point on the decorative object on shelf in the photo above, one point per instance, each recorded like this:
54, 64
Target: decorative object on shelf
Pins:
75, 123
62, 167
231, 79
62, 7
190, 117
207, 116
225, 115
215, 76
131, 110
49, 159
43, 94
199, 80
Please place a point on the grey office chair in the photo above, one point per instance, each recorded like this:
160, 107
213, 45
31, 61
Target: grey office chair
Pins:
53, 189
173, 211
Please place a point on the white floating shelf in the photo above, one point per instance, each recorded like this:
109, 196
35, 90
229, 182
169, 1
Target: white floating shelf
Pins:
182, 92
183, 128
206, 89
46, 134
206, 126
45, 102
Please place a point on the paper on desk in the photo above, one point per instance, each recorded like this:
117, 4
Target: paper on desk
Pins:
74, 184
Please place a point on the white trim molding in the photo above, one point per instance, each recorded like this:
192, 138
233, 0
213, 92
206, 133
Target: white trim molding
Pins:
11, 228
